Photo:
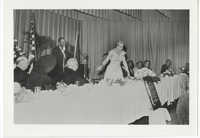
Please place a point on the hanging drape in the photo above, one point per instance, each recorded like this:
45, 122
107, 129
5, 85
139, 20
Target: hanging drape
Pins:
49, 23
154, 37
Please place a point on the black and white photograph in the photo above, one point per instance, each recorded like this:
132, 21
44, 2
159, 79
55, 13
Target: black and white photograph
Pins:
89, 68
101, 66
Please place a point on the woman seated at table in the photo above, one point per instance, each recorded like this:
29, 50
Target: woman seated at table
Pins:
139, 65
166, 69
113, 71
147, 64
144, 71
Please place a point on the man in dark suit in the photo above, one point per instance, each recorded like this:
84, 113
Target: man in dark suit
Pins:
166, 66
20, 72
66, 68
71, 74
61, 55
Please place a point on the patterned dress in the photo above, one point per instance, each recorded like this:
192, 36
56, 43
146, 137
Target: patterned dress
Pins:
113, 71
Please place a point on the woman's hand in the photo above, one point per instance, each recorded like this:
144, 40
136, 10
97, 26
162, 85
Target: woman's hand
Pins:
130, 77
100, 68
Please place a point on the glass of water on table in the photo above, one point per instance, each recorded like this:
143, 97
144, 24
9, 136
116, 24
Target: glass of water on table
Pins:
37, 90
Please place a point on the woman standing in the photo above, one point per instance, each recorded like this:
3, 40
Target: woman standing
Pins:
113, 71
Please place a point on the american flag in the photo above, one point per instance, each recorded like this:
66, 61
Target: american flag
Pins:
32, 37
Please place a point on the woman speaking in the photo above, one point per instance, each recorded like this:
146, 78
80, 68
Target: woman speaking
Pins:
113, 71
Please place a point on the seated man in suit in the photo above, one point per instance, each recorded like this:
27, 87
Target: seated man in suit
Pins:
61, 55
71, 75
20, 72
167, 68
29, 74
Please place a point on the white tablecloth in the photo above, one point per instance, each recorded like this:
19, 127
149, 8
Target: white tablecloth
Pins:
171, 88
87, 104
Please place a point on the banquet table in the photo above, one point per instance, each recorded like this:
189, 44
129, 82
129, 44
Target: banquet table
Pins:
88, 104
171, 88
96, 103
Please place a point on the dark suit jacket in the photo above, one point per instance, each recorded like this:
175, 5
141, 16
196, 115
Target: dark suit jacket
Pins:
38, 79
163, 68
57, 72
20, 76
70, 77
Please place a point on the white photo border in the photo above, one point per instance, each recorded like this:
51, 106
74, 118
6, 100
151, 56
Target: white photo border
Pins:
11, 129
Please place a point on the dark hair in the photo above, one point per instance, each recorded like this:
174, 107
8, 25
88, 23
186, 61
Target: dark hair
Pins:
130, 62
124, 49
60, 38
137, 63
168, 60
119, 41
147, 61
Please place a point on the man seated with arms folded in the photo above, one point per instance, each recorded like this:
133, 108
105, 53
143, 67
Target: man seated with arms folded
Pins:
22, 70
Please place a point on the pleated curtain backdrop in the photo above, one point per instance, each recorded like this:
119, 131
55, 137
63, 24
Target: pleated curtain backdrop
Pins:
154, 37
48, 23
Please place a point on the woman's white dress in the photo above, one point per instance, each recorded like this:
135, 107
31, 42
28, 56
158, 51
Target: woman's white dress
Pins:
114, 71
